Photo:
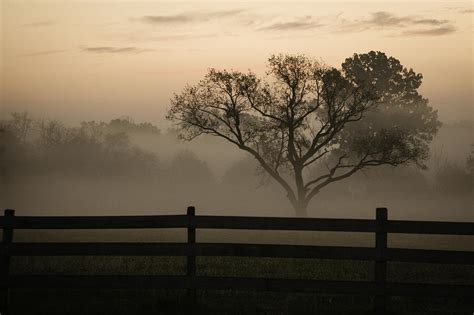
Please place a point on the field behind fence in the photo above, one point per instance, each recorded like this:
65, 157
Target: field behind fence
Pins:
380, 254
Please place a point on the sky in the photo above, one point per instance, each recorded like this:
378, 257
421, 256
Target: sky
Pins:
97, 60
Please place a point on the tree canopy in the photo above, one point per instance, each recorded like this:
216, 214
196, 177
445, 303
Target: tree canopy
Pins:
304, 113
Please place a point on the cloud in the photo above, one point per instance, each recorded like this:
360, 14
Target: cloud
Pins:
114, 50
179, 37
408, 24
189, 17
171, 19
428, 21
39, 24
430, 32
43, 53
461, 10
387, 20
288, 26
166, 37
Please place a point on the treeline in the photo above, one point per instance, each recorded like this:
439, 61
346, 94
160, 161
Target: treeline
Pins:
99, 166
47, 146
46, 164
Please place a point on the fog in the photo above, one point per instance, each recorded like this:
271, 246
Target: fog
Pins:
126, 109
127, 167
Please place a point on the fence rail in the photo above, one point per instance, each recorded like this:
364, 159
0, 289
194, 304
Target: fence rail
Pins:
233, 222
380, 254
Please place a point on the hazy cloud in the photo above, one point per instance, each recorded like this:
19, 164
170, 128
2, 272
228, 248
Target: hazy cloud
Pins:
189, 17
430, 32
171, 19
114, 50
294, 25
428, 21
179, 37
43, 53
39, 24
166, 37
461, 10
387, 21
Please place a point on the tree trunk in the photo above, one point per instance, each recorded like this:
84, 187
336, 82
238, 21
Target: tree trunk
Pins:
300, 208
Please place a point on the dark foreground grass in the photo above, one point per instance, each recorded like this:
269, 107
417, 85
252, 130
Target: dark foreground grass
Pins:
101, 301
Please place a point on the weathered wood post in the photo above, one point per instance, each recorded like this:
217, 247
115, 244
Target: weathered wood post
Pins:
5, 262
191, 259
380, 302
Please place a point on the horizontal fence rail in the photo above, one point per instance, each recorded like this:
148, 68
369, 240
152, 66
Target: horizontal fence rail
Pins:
380, 254
94, 222
233, 222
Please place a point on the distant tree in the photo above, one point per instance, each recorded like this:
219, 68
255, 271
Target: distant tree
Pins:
28, 144
452, 178
18, 126
303, 114
186, 166
470, 162
244, 174
117, 141
52, 134
126, 125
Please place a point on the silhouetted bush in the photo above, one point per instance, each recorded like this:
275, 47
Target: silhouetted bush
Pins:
451, 178
186, 169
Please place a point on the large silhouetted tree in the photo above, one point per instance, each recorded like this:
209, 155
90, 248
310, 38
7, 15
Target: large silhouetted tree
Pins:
304, 113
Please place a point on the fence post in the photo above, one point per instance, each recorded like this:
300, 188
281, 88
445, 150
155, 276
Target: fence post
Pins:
380, 302
5, 262
191, 259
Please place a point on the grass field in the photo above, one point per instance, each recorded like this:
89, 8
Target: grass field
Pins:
101, 301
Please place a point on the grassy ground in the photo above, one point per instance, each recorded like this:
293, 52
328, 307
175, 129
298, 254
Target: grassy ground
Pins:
228, 302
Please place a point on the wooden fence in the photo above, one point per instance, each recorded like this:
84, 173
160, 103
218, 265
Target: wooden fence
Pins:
380, 254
